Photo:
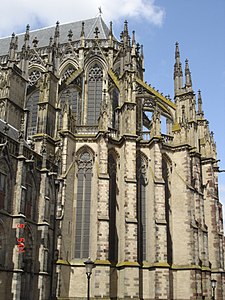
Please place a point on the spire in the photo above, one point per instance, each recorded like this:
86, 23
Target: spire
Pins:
133, 38
188, 82
82, 30
13, 47
25, 52
125, 30
125, 35
56, 35
110, 29
82, 36
200, 111
50, 61
27, 35
110, 35
178, 74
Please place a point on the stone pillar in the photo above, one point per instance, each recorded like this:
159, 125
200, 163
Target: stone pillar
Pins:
129, 267
102, 270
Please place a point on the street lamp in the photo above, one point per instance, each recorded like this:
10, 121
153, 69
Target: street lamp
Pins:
89, 265
213, 283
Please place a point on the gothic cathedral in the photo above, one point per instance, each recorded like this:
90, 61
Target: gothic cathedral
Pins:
94, 162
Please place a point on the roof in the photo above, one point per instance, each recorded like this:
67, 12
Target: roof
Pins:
43, 35
11, 131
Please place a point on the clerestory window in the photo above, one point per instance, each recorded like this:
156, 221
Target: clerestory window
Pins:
141, 208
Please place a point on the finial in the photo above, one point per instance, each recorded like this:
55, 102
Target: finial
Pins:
142, 50
125, 26
96, 32
57, 29
50, 41
82, 30
110, 28
100, 10
133, 38
200, 111
12, 41
187, 74
70, 35
27, 34
177, 52
138, 48
35, 42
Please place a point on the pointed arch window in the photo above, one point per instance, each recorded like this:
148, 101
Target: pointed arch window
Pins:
84, 181
113, 236
32, 106
95, 76
141, 207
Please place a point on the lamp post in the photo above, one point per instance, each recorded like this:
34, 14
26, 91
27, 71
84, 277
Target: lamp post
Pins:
213, 283
89, 265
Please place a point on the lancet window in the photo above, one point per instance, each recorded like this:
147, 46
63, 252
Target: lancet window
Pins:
83, 205
32, 106
141, 207
95, 76
113, 236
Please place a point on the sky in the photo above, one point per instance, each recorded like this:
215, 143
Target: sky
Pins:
198, 26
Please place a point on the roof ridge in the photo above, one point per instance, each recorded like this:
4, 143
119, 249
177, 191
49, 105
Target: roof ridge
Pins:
47, 27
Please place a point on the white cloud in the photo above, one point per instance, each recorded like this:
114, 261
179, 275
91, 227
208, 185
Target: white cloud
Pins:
15, 14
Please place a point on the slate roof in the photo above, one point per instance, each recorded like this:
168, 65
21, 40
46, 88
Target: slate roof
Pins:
43, 35
12, 132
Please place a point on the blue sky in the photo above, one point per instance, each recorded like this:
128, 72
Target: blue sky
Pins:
198, 26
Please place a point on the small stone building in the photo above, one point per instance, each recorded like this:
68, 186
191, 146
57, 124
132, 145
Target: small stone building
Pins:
94, 162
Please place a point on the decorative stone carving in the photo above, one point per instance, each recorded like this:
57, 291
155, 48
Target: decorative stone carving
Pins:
34, 76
